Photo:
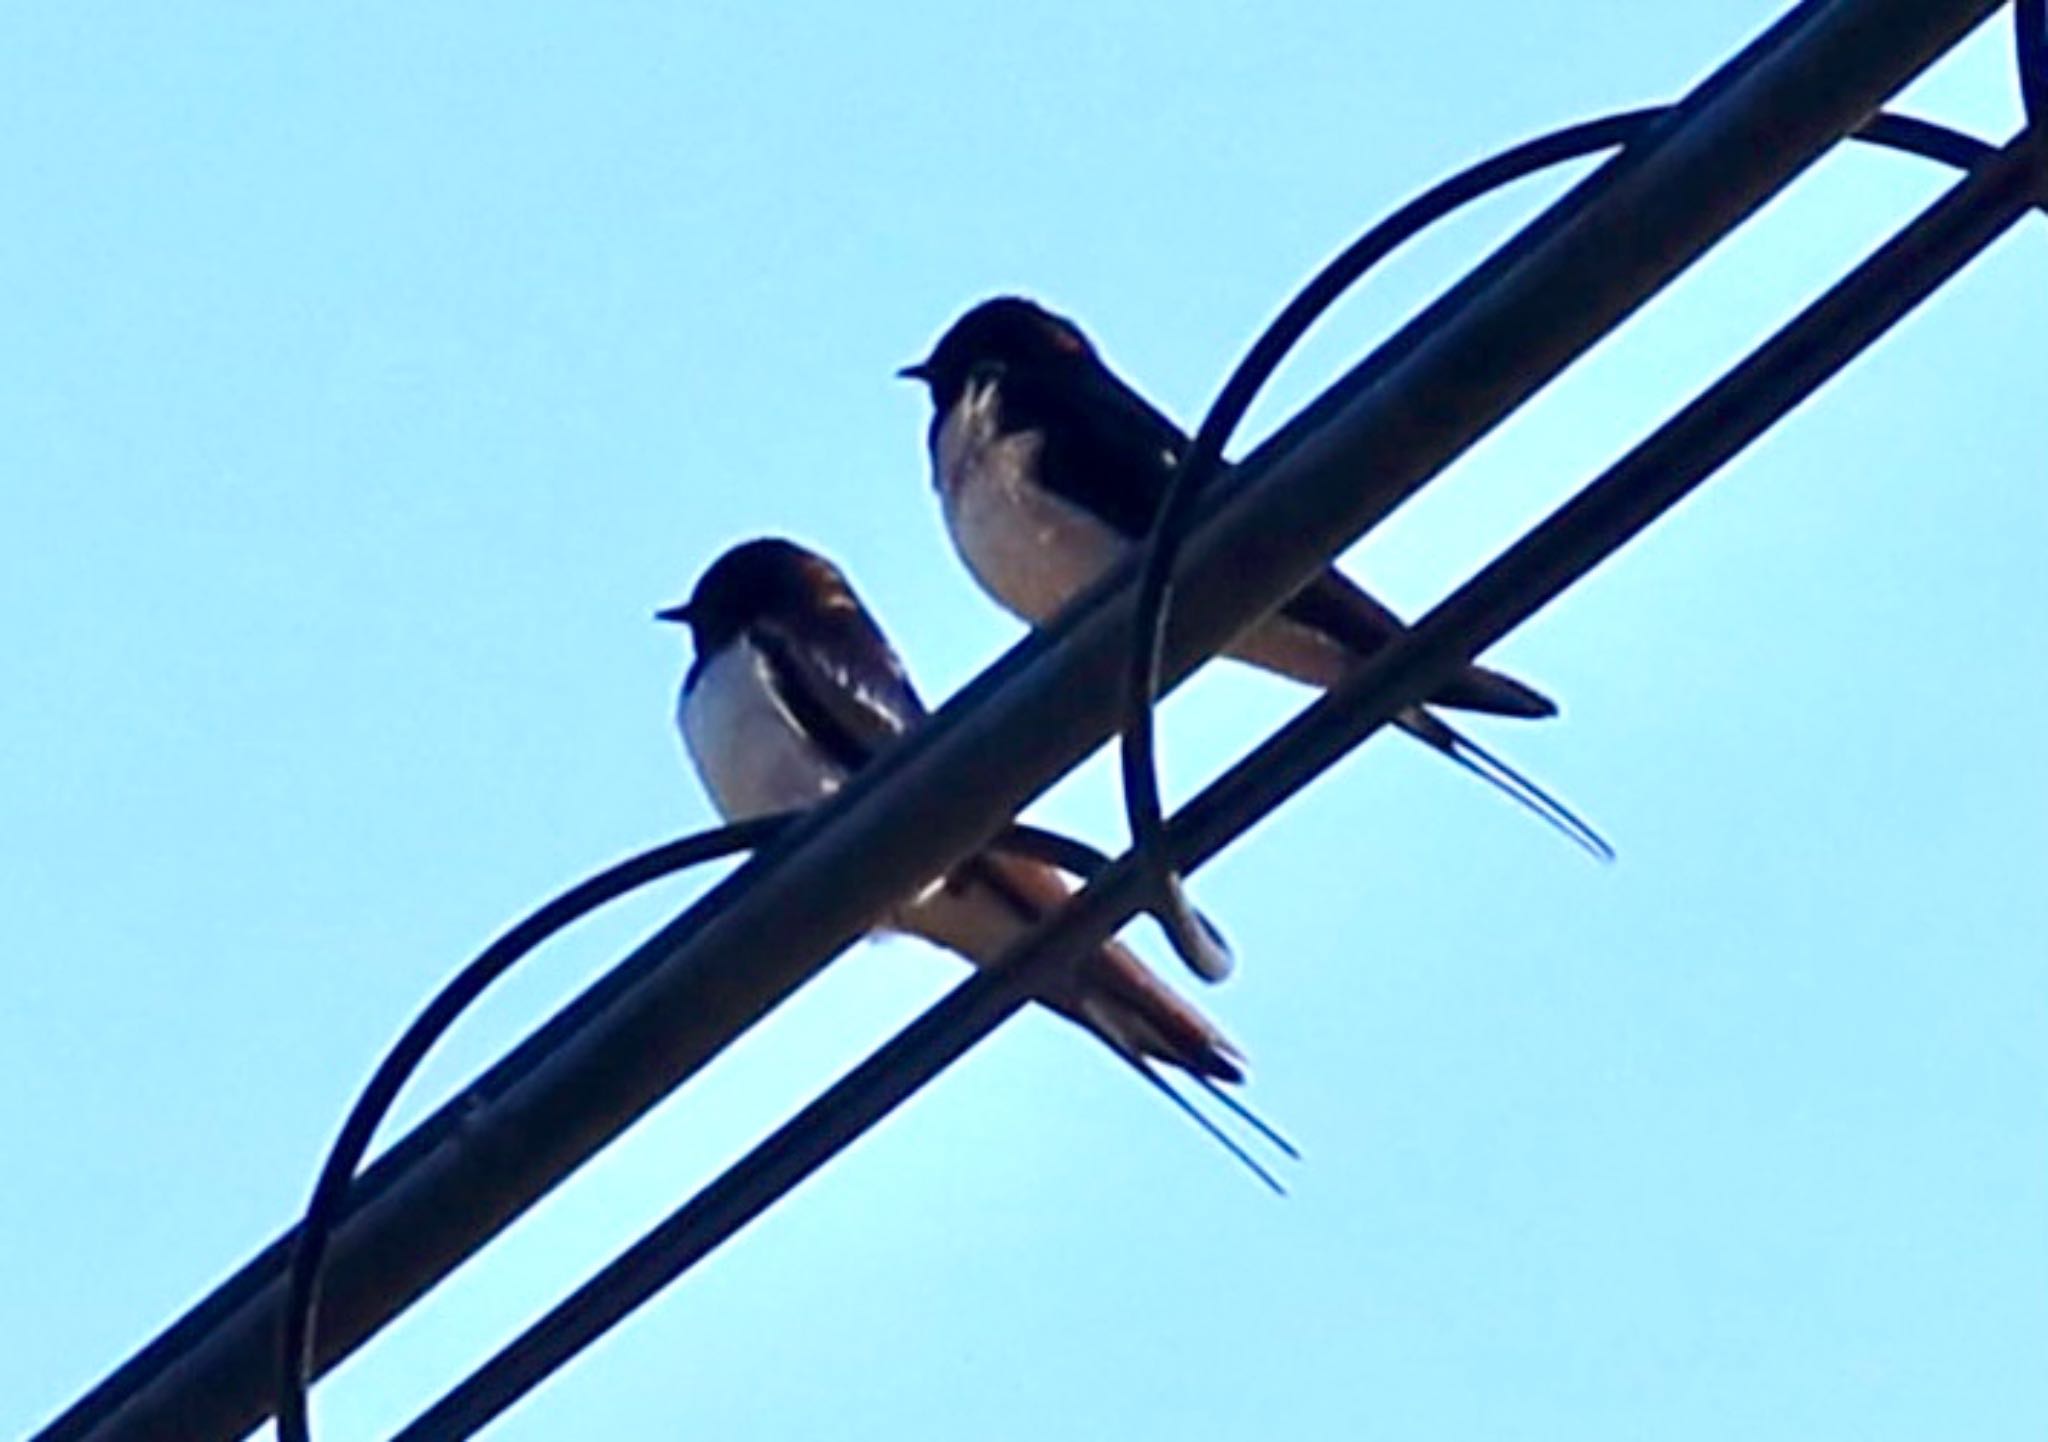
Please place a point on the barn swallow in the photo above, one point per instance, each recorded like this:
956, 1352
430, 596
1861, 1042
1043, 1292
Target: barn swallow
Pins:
792, 689
1049, 468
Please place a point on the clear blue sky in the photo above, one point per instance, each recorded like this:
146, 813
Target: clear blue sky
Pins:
370, 374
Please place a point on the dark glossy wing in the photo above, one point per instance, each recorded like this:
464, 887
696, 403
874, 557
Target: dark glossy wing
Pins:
1335, 606
1106, 450
842, 682
1117, 994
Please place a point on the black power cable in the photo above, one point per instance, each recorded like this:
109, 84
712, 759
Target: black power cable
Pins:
2030, 30
331, 1192
1203, 461
1746, 131
1611, 510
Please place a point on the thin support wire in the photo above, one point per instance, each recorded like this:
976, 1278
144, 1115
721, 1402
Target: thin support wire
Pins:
331, 1199
330, 1192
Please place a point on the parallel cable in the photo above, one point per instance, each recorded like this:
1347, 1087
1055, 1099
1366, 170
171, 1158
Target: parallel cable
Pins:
1515, 321
1203, 461
1611, 510
330, 1197
2030, 31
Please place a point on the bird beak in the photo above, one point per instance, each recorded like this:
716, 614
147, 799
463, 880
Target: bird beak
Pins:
675, 615
922, 371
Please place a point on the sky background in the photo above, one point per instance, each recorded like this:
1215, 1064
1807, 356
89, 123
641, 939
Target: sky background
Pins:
370, 374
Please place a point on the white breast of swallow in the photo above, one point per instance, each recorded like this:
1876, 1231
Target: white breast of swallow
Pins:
750, 752
1029, 549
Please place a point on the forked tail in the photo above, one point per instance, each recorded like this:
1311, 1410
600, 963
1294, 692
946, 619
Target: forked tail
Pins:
1208, 1124
1432, 729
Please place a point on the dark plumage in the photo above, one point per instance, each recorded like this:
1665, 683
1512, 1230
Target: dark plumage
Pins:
1048, 466
793, 688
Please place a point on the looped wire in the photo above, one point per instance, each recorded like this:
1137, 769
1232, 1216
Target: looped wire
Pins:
337, 1173
2030, 33
1203, 460
1197, 941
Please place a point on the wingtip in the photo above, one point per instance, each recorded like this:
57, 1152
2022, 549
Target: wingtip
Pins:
1215, 1064
1495, 693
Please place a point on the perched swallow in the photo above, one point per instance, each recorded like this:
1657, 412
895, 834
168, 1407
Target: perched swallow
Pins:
792, 689
1049, 468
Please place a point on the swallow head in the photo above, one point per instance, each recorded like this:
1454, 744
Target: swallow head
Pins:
769, 579
1006, 333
